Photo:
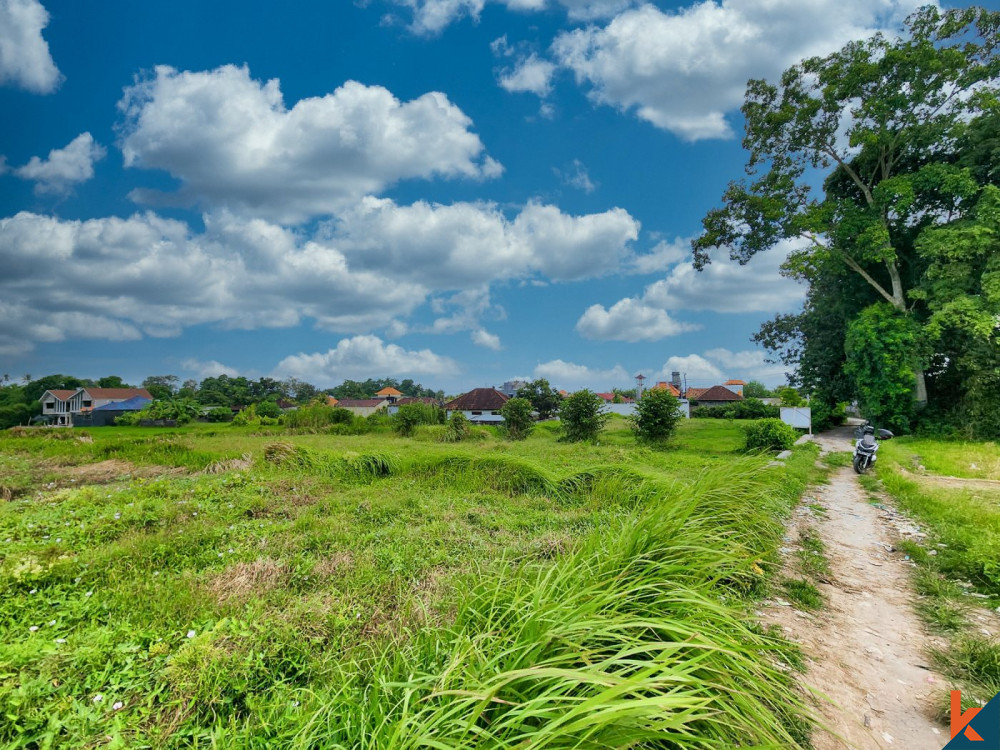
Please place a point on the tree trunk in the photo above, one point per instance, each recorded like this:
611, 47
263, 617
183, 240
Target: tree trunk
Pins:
920, 393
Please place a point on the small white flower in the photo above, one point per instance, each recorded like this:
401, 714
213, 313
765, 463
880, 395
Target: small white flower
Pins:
220, 554
52, 622
77, 579
295, 703
118, 706
33, 628
45, 537
117, 516
89, 593
60, 640
59, 539
156, 572
33, 591
98, 698
230, 550
191, 634
195, 513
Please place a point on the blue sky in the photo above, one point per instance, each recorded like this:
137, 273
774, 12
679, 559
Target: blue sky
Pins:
457, 191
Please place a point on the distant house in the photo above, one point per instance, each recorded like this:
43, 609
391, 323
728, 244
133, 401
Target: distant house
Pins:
331, 401
393, 408
106, 414
511, 387
663, 385
363, 407
481, 405
60, 407
717, 395
693, 394
609, 398
736, 386
390, 395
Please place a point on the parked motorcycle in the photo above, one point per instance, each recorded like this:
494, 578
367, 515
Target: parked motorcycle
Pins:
866, 448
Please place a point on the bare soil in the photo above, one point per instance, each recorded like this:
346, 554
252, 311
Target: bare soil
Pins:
866, 649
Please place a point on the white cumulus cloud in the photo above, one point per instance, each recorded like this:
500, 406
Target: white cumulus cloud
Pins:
482, 337
629, 320
233, 143
64, 167
571, 376
716, 366
362, 357
531, 75
25, 60
685, 70
208, 369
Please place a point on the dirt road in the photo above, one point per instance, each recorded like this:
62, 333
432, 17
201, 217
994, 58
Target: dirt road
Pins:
866, 650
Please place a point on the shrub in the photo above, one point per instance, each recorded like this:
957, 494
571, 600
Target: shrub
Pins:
768, 434
407, 418
219, 414
517, 418
581, 416
247, 417
268, 409
458, 429
656, 416
317, 415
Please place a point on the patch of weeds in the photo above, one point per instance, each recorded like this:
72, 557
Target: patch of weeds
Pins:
916, 552
941, 615
812, 556
803, 593
836, 460
975, 662
818, 510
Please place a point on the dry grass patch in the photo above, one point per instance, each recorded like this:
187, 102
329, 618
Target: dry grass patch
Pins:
335, 565
242, 463
246, 580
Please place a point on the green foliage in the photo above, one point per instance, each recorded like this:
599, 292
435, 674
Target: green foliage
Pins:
790, 396
768, 434
177, 410
317, 415
582, 417
748, 408
656, 416
408, 416
544, 399
803, 593
518, 421
219, 414
756, 389
268, 409
882, 348
367, 388
458, 429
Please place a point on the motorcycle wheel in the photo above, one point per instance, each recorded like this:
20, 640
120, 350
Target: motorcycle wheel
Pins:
860, 465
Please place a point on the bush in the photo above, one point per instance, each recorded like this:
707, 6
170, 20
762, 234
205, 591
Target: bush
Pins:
768, 434
581, 416
458, 429
656, 416
407, 418
219, 414
517, 418
269, 409
317, 415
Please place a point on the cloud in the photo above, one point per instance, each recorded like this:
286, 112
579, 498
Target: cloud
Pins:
697, 370
662, 256
146, 275
233, 143
531, 75
629, 320
685, 70
431, 17
24, 55
362, 357
571, 376
750, 364
577, 177
150, 276
481, 337
465, 245
727, 287
65, 167
209, 369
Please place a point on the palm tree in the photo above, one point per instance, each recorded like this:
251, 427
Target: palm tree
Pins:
6, 378
26, 378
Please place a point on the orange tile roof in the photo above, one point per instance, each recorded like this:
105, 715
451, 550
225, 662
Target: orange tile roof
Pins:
735, 382
331, 401
388, 391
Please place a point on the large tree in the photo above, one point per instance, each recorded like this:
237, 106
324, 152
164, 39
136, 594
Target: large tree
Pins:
878, 114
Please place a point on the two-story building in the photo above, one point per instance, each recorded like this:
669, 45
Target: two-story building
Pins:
60, 406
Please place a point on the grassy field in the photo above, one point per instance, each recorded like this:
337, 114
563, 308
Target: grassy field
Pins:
219, 587
958, 561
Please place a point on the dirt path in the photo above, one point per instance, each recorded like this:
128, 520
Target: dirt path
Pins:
866, 648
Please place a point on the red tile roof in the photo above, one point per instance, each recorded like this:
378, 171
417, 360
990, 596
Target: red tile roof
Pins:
331, 401
719, 393
417, 400
478, 399
694, 394
388, 391
348, 402
735, 382
665, 386
61, 395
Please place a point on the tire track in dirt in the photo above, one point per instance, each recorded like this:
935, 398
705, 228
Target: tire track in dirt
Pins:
866, 649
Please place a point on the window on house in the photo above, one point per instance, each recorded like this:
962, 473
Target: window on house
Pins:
495, 413
477, 413
87, 404
50, 404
